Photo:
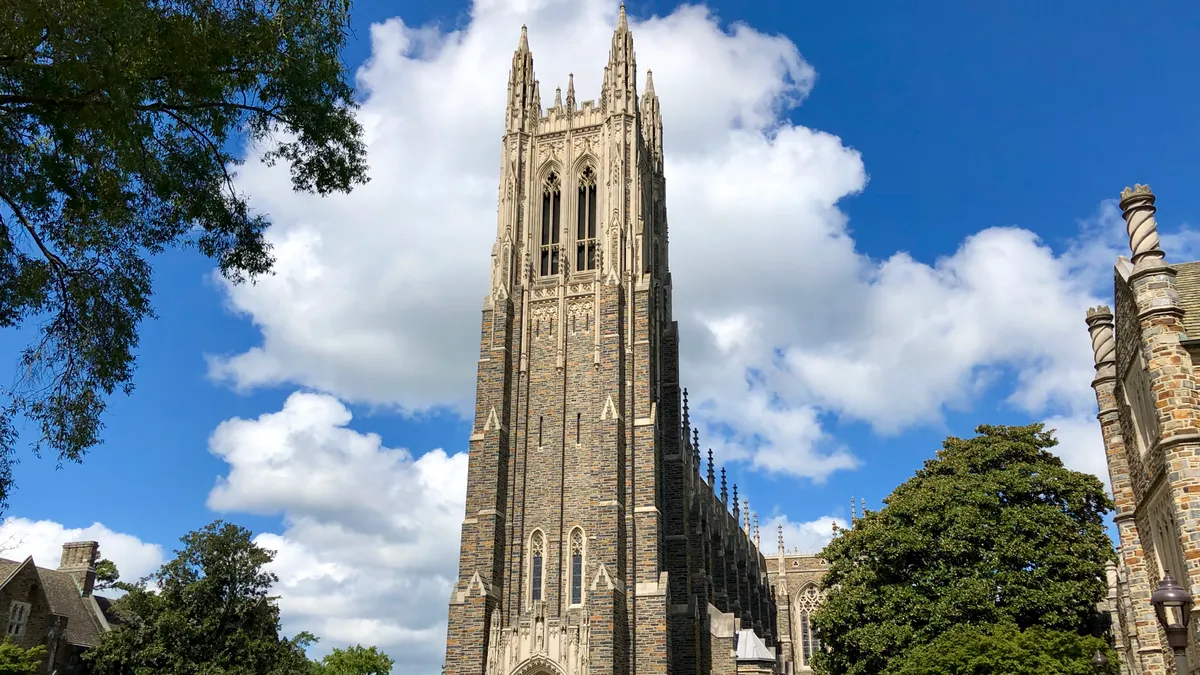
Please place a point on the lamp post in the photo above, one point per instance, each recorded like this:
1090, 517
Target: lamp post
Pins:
1173, 605
1100, 663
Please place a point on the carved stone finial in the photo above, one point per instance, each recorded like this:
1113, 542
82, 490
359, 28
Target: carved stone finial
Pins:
1137, 207
864, 506
650, 82
853, 513
558, 97
1100, 326
780, 529
523, 44
757, 541
711, 476
735, 499
570, 92
724, 494
746, 511
622, 22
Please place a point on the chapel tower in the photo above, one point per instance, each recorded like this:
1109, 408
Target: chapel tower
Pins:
581, 547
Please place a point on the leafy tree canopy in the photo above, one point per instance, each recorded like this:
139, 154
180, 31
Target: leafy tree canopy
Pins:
993, 530
210, 616
1005, 650
15, 661
356, 660
119, 120
106, 574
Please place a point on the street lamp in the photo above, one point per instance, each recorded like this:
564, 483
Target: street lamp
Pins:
1173, 605
1100, 662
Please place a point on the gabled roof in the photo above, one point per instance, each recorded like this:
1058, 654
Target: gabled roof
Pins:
85, 615
1187, 283
751, 648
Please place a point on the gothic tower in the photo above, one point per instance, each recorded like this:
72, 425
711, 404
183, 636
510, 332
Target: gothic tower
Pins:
576, 553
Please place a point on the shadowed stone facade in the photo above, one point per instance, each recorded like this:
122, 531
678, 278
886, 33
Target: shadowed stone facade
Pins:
591, 542
1146, 388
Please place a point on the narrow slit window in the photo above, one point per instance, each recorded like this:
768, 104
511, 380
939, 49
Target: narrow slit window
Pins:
578, 419
540, 420
551, 225
585, 233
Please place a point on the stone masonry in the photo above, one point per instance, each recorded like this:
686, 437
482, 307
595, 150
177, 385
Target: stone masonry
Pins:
592, 543
1149, 413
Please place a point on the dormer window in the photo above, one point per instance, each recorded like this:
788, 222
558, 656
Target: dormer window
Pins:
551, 223
585, 236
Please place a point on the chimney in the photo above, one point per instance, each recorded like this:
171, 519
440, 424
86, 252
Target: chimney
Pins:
79, 560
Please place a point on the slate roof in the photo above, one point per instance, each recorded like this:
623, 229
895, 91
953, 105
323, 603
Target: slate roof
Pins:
1187, 282
751, 648
83, 614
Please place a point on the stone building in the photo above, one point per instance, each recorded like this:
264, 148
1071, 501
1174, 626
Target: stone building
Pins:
594, 540
795, 579
56, 608
1147, 389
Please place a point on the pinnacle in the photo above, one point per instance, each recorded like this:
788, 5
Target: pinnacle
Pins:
523, 45
650, 82
622, 22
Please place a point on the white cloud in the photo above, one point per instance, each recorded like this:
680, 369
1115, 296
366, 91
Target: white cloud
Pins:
370, 546
43, 539
805, 537
377, 294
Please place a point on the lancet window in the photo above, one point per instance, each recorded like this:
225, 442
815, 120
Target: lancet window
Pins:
585, 234
577, 567
551, 225
806, 606
537, 550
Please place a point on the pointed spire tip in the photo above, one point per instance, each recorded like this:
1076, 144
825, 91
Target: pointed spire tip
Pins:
523, 45
622, 22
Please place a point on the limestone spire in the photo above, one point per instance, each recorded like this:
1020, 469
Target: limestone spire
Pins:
779, 528
570, 92
524, 104
724, 494
710, 469
620, 81
735, 503
649, 82
757, 542
558, 98
1137, 206
853, 513
864, 506
622, 22
696, 448
746, 511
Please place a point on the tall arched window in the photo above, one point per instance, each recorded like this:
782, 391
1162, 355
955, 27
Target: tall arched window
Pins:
806, 606
551, 222
577, 567
585, 235
537, 550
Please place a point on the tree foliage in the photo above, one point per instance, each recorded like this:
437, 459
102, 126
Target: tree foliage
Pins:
994, 530
14, 660
356, 660
1005, 650
211, 615
106, 574
119, 120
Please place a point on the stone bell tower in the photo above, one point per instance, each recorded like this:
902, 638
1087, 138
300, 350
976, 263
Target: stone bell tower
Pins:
591, 544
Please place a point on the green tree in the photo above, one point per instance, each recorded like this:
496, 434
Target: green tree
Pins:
1005, 650
356, 660
106, 574
993, 530
15, 661
211, 615
119, 124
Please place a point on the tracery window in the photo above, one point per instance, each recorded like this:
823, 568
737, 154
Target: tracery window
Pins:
551, 222
537, 550
806, 606
1139, 398
18, 615
585, 235
577, 567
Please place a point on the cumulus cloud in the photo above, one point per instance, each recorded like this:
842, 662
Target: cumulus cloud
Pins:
43, 539
804, 537
377, 294
369, 549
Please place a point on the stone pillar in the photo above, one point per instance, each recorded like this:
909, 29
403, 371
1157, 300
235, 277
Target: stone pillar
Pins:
1169, 367
1130, 551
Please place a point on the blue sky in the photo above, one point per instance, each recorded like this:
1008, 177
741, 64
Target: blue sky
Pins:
1010, 125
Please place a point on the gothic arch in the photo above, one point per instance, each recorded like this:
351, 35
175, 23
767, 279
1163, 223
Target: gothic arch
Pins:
538, 665
807, 600
584, 161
